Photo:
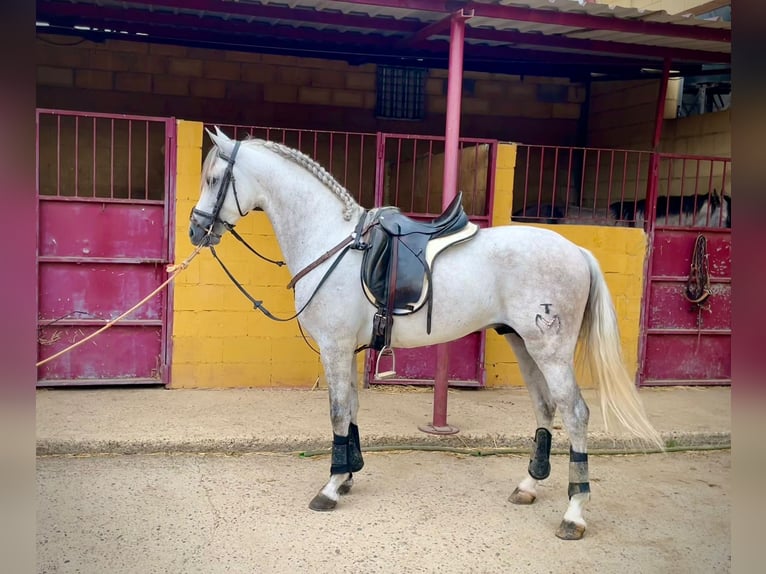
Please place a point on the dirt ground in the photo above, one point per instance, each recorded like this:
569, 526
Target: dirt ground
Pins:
409, 512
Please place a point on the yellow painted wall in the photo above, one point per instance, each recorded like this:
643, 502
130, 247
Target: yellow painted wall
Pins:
621, 251
219, 340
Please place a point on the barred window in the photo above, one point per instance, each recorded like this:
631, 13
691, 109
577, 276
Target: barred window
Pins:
400, 93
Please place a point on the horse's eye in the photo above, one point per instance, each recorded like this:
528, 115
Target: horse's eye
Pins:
211, 181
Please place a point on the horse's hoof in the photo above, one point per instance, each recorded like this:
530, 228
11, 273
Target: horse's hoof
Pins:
521, 497
322, 503
345, 488
570, 531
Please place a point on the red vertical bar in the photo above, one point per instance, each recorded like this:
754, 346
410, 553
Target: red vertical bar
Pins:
412, 185
94, 155
111, 162
130, 159
569, 178
526, 179
721, 218
58, 155
361, 167
428, 177
329, 167
582, 178
667, 190
541, 175
398, 169
555, 178
454, 94
345, 164
709, 190
77, 156
595, 183
452, 136
380, 173
146, 163
37, 159
635, 187
611, 176
475, 194
624, 176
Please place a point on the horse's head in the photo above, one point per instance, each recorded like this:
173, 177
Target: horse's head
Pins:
720, 209
220, 205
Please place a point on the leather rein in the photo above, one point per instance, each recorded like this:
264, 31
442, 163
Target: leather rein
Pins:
353, 241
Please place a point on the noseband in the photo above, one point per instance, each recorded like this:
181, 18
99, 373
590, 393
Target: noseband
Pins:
214, 217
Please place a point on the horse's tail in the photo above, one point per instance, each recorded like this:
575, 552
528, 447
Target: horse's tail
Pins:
600, 346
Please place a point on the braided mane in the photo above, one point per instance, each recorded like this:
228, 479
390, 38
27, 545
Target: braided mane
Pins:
316, 170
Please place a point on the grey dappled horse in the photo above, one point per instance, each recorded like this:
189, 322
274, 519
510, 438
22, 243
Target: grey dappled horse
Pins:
538, 289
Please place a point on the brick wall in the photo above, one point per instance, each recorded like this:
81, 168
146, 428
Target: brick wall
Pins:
243, 88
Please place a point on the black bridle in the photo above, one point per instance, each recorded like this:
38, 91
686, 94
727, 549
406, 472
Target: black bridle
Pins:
210, 219
214, 217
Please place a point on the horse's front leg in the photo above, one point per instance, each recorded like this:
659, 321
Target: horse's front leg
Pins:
340, 372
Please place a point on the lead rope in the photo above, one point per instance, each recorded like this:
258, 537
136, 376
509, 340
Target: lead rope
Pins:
698, 285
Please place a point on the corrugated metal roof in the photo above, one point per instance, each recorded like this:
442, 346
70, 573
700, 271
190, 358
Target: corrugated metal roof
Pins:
500, 33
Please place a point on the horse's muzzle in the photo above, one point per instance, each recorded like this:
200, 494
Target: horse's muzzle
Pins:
198, 231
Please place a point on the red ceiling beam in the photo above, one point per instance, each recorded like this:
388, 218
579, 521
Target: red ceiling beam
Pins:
141, 21
598, 46
252, 10
217, 8
567, 19
250, 36
433, 29
115, 17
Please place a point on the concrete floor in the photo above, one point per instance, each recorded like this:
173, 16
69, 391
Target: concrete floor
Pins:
409, 512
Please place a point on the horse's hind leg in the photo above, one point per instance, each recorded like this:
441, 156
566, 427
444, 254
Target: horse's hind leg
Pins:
346, 449
545, 409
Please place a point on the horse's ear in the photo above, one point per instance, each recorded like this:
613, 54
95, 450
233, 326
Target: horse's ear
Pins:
218, 138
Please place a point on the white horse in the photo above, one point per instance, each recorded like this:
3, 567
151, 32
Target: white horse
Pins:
543, 292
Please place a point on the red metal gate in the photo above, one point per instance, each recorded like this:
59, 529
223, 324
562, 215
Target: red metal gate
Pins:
679, 343
105, 207
682, 343
409, 176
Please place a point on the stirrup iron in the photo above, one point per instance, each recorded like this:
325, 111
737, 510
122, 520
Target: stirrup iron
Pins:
385, 374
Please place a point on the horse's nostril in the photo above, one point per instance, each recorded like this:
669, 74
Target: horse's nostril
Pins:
191, 232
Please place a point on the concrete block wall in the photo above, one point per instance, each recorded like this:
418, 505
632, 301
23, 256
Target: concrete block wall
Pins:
253, 89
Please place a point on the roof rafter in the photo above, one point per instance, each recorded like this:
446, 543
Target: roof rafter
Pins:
567, 19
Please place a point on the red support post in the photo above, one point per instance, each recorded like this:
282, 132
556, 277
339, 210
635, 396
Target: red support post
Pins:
651, 192
439, 424
652, 185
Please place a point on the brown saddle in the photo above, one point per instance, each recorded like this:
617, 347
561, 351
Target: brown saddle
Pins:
398, 260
